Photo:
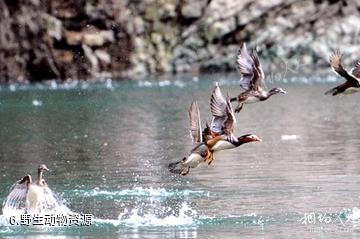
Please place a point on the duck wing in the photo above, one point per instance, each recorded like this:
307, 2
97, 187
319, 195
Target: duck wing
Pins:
195, 123
222, 112
335, 63
356, 70
17, 195
248, 64
50, 202
259, 76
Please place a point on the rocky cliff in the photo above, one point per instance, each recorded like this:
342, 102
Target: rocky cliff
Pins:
81, 39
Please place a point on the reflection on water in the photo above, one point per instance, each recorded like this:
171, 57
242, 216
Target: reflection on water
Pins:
108, 147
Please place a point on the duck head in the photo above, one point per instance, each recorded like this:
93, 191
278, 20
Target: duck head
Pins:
247, 138
277, 91
42, 167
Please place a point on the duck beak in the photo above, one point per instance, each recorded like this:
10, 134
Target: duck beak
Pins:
282, 91
45, 168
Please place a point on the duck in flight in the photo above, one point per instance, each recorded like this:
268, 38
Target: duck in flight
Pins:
252, 80
216, 137
36, 194
221, 132
352, 83
200, 151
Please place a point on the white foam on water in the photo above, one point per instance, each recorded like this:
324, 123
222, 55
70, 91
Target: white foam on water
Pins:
140, 191
36, 102
134, 218
164, 83
354, 215
109, 84
145, 84
12, 87
179, 84
289, 137
15, 207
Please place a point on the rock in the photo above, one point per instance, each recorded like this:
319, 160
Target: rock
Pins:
64, 56
53, 26
73, 38
219, 29
103, 56
89, 54
181, 52
156, 38
91, 38
194, 42
98, 38
193, 9
48, 39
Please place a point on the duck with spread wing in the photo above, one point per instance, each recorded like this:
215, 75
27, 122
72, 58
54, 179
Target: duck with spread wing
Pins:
221, 132
252, 80
34, 195
200, 151
352, 83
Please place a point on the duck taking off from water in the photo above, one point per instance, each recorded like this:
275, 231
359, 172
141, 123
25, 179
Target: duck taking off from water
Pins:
222, 126
200, 152
352, 83
36, 194
252, 80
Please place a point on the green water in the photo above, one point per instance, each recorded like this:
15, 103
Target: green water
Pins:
108, 146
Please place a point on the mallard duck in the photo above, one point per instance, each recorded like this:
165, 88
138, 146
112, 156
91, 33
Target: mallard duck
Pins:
200, 152
36, 194
252, 79
352, 84
222, 126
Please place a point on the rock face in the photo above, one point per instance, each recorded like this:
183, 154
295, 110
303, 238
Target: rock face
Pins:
78, 39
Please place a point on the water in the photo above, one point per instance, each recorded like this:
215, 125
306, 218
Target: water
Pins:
108, 145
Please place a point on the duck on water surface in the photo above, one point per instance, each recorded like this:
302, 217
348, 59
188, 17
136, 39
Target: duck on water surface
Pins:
35, 193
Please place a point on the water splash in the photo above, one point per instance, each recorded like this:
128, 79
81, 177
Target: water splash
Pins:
185, 215
15, 205
142, 192
353, 214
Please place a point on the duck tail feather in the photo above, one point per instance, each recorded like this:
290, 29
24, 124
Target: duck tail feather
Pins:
179, 168
332, 91
233, 99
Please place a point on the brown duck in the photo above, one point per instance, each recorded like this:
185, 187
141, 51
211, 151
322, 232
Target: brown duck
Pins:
352, 84
221, 136
200, 151
252, 80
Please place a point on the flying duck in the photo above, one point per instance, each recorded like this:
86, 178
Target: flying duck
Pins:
352, 83
222, 125
252, 81
200, 152
36, 194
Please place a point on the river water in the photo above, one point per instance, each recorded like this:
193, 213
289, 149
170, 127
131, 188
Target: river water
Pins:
108, 145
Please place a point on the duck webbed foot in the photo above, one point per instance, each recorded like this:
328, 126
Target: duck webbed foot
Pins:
185, 171
211, 158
